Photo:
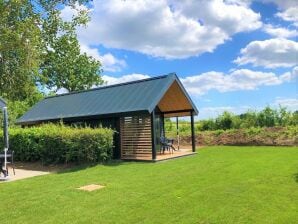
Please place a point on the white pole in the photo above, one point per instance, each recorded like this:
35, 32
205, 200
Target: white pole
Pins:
5, 135
5, 160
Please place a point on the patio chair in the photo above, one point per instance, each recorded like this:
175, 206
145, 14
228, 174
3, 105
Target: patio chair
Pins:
167, 144
10, 160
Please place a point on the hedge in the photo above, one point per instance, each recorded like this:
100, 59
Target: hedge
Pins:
52, 144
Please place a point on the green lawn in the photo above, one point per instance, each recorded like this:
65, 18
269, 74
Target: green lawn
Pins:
218, 185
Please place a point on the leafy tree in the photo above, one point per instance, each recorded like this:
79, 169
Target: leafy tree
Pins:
248, 119
19, 49
224, 121
64, 66
38, 48
293, 120
267, 117
208, 125
236, 122
284, 116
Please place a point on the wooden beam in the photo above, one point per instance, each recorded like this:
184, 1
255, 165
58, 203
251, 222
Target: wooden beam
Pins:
193, 138
177, 111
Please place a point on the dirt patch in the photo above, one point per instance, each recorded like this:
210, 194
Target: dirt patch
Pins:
91, 187
275, 136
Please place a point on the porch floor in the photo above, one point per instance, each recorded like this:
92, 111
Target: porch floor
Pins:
179, 153
184, 151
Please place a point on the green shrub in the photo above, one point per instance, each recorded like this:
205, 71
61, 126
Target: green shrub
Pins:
61, 144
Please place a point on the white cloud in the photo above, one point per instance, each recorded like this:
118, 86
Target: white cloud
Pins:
242, 79
290, 76
236, 80
166, 28
270, 53
230, 16
109, 62
110, 80
213, 112
282, 4
279, 31
289, 10
290, 15
69, 12
289, 103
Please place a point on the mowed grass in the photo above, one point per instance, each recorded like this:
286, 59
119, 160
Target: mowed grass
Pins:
218, 185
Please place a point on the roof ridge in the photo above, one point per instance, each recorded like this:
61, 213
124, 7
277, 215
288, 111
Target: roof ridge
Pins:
111, 86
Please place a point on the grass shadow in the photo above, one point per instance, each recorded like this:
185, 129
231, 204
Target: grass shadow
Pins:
296, 177
110, 163
70, 167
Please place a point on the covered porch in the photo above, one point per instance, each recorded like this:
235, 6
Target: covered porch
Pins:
144, 137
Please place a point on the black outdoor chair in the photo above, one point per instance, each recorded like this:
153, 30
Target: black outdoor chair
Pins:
9, 156
167, 144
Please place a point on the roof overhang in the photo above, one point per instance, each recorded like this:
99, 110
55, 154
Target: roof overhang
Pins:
175, 101
83, 118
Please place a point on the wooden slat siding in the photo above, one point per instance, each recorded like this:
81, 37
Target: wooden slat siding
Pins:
136, 142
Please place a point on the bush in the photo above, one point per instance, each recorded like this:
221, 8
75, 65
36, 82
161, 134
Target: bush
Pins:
61, 144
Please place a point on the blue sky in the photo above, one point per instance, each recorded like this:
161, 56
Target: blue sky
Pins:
230, 55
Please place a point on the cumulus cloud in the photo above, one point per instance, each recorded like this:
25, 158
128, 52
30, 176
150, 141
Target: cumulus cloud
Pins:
110, 80
290, 15
282, 4
230, 16
290, 76
166, 28
288, 10
289, 103
242, 79
69, 12
270, 53
108, 61
280, 32
213, 112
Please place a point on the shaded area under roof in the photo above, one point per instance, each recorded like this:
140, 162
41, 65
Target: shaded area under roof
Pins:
143, 95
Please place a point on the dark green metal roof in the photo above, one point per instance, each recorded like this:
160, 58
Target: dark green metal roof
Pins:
142, 95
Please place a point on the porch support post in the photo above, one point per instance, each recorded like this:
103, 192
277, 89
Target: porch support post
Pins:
177, 132
163, 125
193, 139
153, 135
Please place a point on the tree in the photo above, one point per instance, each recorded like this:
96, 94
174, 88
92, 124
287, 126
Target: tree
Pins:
224, 121
267, 117
248, 119
64, 66
19, 49
38, 48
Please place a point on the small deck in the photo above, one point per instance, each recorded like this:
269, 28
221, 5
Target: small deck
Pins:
184, 151
176, 154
